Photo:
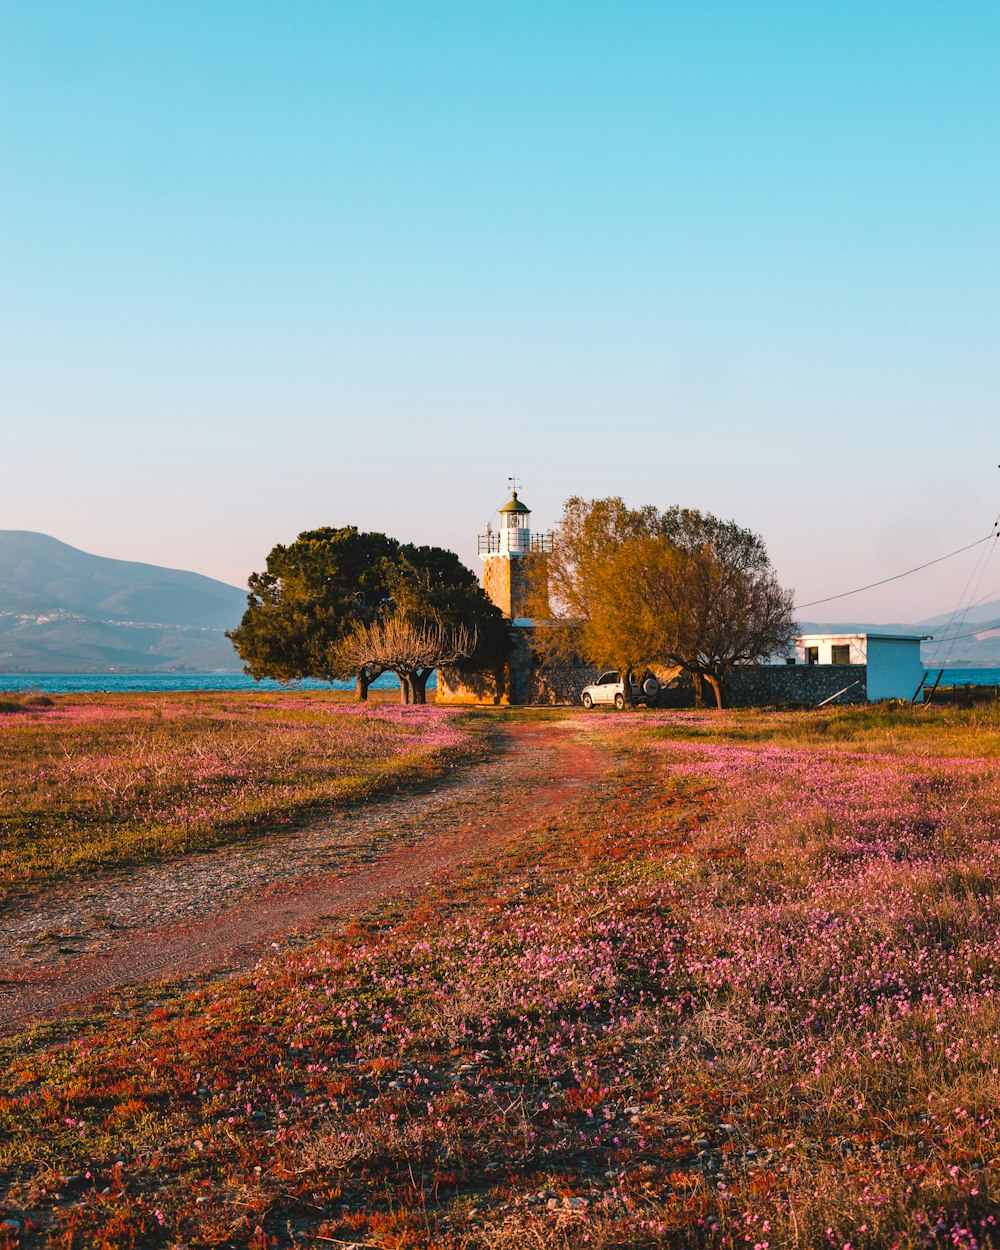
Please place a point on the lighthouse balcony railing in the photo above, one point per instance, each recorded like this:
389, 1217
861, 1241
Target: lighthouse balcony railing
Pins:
513, 542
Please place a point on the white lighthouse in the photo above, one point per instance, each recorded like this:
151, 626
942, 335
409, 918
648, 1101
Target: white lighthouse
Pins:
505, 552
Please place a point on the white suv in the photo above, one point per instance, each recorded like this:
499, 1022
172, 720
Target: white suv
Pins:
609, 688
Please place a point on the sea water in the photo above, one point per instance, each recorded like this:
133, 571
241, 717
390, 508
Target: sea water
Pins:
965, 677
81, 683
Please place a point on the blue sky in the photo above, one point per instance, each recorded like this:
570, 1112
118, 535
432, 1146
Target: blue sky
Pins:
269, 266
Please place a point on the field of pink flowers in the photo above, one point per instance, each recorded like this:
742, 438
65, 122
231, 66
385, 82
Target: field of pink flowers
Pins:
747, 998
99, 780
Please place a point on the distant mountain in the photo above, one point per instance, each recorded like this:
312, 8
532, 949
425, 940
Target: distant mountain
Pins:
64, 610
987, 614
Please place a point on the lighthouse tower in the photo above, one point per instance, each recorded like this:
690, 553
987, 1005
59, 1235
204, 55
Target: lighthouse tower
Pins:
507, 561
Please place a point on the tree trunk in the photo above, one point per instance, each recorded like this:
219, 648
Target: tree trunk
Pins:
364, 681
404, 687
626, 674
419, 684
716, 685
699, 693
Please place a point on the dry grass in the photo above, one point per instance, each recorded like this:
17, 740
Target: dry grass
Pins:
748, 998
90, 781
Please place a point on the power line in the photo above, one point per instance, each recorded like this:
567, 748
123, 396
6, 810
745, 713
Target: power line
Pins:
983, 629
958, 617
896, 576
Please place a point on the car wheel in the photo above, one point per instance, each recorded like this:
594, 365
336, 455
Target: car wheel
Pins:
588, 701
619, 701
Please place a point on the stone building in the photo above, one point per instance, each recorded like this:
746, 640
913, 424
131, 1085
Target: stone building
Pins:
513, 574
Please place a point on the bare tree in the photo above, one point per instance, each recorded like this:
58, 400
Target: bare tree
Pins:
396, 644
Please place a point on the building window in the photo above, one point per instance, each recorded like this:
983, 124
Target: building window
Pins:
812, 655
840, 654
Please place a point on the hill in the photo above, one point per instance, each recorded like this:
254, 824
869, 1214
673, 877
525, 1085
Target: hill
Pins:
65, 610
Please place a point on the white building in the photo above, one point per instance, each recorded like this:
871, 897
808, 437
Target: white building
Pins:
895, 669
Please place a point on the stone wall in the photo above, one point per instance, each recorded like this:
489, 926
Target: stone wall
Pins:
512, 582
797, 683
778, 683
562, 685
482, 687
511, 685
559, 685
497, 582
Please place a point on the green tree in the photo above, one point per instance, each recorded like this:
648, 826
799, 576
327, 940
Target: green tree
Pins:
317, 591
310, 595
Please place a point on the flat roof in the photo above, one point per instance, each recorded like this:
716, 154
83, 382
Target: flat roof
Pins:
880, 637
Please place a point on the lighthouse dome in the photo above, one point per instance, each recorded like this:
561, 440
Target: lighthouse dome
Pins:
514, 504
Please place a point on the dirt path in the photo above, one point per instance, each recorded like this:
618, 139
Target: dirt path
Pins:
219, 910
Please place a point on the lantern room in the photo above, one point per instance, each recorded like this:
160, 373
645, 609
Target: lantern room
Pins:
513, 537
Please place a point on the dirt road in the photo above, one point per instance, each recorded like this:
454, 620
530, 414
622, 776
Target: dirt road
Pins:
68, 945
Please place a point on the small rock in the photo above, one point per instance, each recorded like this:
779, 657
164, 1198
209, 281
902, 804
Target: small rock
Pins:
576, 1204
552, 1204
11, 1223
